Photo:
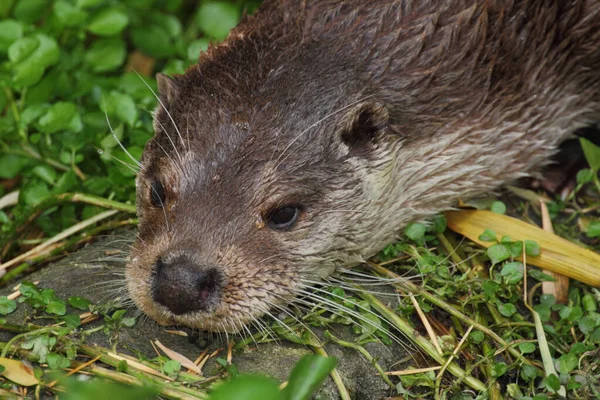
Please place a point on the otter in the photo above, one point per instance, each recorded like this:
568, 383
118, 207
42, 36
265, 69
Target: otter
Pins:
319, 129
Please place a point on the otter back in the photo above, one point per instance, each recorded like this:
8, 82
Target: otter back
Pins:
319, 129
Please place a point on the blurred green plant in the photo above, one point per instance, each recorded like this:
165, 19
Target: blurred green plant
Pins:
66, 66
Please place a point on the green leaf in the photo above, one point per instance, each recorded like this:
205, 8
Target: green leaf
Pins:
108, 22
500, 369
22, 48
498, 207
217, 18
67, 14
488, 236
527, 347
171, 367
106, 55
529, 372
29, 290
585, 176
11, 165
121, 105
57, 361
498, 252
7, 306
567, 363
512, 272
507, 309
45, 172
588, 302
247, 387
72, 320
477, 336
592, 154
34, 193
10, 31
306, 377
61, 116
153, 40
593, 229
57, 308
32, 62
439, 223
552, 382
79, 303
532, 248
29, 11
195, 48
415, 231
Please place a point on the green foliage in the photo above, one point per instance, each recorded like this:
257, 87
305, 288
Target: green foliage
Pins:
63, 71
101, 390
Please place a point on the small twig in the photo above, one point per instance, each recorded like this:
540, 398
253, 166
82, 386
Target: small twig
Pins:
425, 321
57, 238
75, 370
454, 353
413, 371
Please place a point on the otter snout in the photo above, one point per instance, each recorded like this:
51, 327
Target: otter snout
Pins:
185, 286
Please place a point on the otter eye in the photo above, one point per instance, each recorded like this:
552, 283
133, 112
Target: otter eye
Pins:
283, 217
157, 194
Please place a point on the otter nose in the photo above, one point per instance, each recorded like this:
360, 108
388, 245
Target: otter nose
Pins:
184, 286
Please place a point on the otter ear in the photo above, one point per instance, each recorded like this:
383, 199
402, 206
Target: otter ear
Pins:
365, 123
167, 88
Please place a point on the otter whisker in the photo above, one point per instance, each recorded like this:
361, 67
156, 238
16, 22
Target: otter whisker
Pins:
286, 311
168, 114
114, 135
178, 165
310, 294
130, 167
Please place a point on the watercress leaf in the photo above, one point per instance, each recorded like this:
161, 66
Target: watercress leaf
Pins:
22, 48
10, 32
106, 55
79, 303
415, 231
196, 47
584, 176
488, 236
153, 40
498, 207
216, 18
59, 117
592, 154
108, 22
34, 193
498, 252
532, 248
512, 272
593, 229
248, 387
11, 165
7, 305
29, 11
307, 376
67, 14
57, 308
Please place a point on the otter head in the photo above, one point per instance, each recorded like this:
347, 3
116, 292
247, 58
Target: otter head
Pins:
245, 198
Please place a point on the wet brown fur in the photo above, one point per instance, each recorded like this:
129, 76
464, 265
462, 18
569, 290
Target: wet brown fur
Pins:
370, 115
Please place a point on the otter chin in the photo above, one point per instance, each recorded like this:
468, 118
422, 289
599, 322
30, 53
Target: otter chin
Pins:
309, 139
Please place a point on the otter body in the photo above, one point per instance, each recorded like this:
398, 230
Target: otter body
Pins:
319, 129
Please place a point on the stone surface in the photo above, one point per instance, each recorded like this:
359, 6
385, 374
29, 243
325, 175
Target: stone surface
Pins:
96, 272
